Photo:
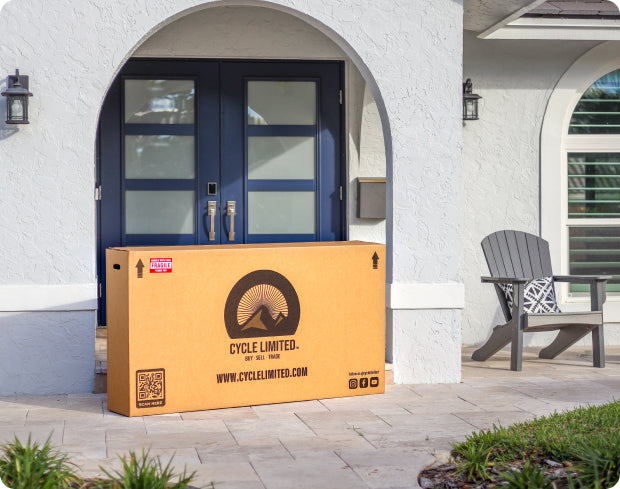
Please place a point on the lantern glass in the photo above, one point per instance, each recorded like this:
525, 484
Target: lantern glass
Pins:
17, 110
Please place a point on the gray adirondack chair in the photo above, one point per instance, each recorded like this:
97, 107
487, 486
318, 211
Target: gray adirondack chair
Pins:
515, 258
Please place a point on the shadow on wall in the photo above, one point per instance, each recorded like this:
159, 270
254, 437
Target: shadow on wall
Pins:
47, 352
6, 130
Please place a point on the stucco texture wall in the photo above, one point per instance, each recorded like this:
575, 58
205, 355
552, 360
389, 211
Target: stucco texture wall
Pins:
501, 157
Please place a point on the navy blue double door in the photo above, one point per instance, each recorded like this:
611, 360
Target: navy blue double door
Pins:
220, 152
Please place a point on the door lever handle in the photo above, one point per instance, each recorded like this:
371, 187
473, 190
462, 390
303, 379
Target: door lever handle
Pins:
231, 206
211, 210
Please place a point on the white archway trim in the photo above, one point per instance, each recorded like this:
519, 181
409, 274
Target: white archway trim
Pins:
555, 142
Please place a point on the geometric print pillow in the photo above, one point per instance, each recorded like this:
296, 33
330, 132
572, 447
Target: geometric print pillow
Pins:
538, 295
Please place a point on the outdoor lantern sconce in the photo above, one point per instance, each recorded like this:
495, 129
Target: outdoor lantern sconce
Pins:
16, 94
470, 102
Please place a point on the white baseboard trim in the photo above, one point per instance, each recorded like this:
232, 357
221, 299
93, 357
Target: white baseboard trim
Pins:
71, 297
425, 296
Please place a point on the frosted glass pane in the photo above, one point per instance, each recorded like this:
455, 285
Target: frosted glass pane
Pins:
159, 157
281, 213
281, 103
281, 158
159, 101
159, 212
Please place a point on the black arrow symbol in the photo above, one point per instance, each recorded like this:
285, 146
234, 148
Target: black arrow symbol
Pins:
140, 267
375, 260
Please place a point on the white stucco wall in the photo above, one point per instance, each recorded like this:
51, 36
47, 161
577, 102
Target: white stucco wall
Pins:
406, 50
501, 159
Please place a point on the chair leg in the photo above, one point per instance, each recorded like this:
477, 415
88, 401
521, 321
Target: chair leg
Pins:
598, 347
516, 349
500, 337
567, 336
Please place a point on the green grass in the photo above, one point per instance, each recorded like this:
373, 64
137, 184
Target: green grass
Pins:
586, 441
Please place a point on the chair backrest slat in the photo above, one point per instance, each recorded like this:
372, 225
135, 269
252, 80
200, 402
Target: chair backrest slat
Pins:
517, 254
488, 254
545, 257
505, 252
526, 266
497, 255
535, 261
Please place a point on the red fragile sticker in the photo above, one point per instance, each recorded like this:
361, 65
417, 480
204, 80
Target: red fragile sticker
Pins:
161, 265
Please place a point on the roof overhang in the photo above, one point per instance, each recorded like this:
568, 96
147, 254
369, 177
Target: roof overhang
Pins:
557, 29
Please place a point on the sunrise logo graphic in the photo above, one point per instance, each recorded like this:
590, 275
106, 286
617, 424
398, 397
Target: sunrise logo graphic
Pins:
262, 303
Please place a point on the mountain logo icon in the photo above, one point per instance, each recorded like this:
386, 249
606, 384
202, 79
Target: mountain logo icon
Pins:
262, 303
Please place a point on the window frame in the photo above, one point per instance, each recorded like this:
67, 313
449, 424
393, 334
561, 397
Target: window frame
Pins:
556, 143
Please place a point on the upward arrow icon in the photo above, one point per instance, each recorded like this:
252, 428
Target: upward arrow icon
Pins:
375, 261
140, 267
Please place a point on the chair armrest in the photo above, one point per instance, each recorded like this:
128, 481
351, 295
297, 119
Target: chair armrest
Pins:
505, 280
582, 279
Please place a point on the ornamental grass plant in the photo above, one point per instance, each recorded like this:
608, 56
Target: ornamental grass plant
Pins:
35, 466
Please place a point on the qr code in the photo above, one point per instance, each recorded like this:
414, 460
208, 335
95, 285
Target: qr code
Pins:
150, 388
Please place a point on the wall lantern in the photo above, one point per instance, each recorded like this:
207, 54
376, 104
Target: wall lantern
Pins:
16, 94
470, 102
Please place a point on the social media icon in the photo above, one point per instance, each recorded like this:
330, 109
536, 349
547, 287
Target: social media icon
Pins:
374, 381
363, 382
352, 383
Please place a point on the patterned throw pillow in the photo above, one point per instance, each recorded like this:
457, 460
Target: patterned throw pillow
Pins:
538, 295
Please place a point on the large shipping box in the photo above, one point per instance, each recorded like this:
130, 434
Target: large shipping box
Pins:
202, 327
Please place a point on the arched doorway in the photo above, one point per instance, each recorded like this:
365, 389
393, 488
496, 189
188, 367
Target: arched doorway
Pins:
191, 126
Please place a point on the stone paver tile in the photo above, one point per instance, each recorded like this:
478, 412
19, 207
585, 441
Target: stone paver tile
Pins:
244, 431
52, 415
39, 434
195, 439
267, 410
59, 401
162, 418
271, 449
13, 416
394, 476
440, 407
326, 443
221, 414
383, 456
91, 467
486, 421
223, 472
324, 471
185, 426
120, 441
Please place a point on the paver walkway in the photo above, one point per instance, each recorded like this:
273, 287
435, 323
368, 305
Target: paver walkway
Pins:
380, 441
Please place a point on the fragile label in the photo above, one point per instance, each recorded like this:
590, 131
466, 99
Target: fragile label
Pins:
161, 265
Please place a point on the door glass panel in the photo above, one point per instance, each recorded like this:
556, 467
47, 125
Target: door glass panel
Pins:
159, 157
281, 158
281, 103
159, 212
159, 101
281, 213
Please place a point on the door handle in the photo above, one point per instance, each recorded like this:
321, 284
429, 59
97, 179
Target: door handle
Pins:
211, 210
231, 211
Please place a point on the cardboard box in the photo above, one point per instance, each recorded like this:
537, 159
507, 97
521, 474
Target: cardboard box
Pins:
201, 327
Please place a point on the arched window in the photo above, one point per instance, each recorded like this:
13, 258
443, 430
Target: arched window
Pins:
593, 183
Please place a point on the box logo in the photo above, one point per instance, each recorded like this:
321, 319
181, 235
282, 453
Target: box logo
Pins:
150, 388
161, 265
263, 303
